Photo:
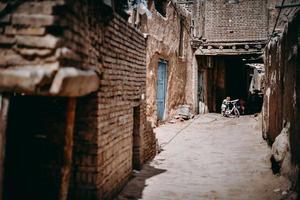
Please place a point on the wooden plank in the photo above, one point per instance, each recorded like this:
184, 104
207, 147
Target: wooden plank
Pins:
66, 168
4, 104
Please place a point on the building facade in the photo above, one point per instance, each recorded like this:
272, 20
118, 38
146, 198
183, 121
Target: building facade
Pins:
169, 58
227, 35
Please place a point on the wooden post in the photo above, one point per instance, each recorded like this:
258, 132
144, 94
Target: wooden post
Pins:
66, 168
4, 104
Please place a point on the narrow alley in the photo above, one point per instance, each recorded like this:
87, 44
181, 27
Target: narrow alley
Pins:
149, 99
209, 157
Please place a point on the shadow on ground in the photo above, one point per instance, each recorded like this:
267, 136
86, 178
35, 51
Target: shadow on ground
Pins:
134, 189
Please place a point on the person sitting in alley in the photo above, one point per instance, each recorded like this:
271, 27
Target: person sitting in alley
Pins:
225, 104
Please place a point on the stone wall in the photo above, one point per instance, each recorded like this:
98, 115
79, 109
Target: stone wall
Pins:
163, 42
89, 36
281, 103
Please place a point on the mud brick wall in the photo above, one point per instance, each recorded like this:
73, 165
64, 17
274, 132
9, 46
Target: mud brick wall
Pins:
104, 138
123, 87
25, 36
282, 95
88, 35
246, 20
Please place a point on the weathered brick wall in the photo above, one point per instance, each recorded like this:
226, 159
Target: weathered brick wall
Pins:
123, 85
118, 52
87, 35
25, 38
281, 102
243, 21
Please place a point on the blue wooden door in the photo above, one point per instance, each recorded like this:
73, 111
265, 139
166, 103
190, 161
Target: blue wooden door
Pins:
161, 89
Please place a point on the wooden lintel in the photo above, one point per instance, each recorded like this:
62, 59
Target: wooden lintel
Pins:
35, 80
66, 168
213, 52
73, 82
233, 43
4, 105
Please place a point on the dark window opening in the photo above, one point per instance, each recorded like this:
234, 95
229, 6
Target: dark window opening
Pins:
161, 7
120, 7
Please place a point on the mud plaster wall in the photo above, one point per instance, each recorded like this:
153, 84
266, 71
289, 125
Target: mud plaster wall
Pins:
281, 104
163, 43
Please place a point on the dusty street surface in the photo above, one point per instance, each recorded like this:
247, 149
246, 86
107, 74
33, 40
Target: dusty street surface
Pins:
209, 157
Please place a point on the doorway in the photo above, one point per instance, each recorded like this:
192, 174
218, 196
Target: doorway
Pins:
161, 88
136, 164
33, 160
202, 107
237, 84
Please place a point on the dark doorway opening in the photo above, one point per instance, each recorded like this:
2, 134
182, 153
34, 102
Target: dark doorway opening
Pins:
237, 78
34, 147
136, 164
223, 76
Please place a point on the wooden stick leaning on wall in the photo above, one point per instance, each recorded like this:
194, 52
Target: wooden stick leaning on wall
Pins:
4, 105
66, 168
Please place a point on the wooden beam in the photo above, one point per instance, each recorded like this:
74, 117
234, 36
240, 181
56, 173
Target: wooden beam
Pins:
73, 82
26, 79
66, 168
35, 80
287, 6
4, 105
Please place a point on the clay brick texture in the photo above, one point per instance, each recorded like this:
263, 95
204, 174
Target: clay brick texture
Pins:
111, 132
243, 21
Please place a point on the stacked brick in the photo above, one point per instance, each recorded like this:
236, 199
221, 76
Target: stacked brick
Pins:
24, 36
123, 85
242, 21
88, 35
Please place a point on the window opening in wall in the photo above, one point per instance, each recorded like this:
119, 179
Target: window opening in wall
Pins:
181, 39
161, 7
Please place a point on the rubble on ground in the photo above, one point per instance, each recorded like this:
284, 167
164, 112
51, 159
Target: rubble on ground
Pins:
182, 113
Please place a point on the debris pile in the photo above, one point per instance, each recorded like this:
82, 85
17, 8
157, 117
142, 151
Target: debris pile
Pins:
183, 112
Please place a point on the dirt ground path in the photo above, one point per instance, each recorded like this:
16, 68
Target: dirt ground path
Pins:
209, 157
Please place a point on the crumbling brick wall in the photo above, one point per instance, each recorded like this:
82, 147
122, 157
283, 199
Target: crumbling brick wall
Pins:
24, 34
224, 21
73, 33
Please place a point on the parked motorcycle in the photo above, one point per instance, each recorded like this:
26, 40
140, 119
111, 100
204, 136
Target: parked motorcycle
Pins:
230, 109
